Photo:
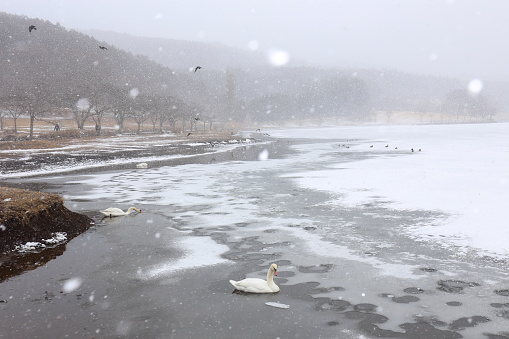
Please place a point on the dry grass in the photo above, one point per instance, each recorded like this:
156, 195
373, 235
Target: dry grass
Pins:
47, 138
21, 204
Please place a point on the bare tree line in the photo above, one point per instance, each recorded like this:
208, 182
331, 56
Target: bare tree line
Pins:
95, 103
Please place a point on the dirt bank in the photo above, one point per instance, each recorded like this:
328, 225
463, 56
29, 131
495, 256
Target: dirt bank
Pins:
28, 216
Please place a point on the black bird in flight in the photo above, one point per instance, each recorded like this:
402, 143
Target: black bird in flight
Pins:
197, 68
190, 133
102, 47
31, 27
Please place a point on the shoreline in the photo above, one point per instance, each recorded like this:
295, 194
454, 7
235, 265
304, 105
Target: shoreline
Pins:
122, 152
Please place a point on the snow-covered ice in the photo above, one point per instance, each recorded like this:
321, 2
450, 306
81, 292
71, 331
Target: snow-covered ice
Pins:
460, 170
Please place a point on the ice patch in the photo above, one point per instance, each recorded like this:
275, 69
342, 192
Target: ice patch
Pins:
276, 304
200, 251
316, 245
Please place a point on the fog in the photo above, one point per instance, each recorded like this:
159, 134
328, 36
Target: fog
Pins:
432, 37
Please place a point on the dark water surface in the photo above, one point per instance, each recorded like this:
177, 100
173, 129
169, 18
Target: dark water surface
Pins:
344, 272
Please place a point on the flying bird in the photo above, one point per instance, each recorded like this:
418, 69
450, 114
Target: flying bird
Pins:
197, 68
31, 27
190, 133
102, 47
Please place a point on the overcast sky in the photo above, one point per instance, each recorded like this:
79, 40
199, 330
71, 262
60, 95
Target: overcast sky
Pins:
466, 39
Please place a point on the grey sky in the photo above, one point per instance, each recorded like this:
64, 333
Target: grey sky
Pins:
464, 39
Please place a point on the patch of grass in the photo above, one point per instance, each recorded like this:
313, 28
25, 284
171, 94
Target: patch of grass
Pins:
21, 205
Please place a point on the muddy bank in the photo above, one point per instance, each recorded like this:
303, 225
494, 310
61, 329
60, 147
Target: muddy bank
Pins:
29, 216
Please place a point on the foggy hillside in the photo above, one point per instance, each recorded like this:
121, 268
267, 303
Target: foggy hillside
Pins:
388, 90
178, 54
234, 85
62, 59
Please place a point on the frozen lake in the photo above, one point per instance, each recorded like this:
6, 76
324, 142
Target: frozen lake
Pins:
371, 240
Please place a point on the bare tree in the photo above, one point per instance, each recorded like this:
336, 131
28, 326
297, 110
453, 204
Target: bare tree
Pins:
15, 104
142, 106
165, 111
38, 102
1, 119
121, 107
101, 101
82, 111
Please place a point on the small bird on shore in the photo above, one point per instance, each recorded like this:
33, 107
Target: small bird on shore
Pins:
371, 146
386, 146
103, 48
190, 133
31, 28
197, 68
412, 149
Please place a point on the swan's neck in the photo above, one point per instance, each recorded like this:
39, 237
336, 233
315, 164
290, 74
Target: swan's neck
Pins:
270, 276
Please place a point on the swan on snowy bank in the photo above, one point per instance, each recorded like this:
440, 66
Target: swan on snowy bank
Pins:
117, 212
256, 285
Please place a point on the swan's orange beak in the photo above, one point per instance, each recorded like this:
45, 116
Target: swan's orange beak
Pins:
275, 272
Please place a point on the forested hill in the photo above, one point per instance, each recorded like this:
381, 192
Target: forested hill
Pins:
178, 54
62, 60
234, 85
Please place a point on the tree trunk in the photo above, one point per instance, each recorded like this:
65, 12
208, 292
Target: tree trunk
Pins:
32, 118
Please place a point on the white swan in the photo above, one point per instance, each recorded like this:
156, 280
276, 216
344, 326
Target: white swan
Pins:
256, 285
142, 165
117, 212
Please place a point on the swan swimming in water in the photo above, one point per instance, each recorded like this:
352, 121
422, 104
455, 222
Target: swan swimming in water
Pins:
256, 285
117, 212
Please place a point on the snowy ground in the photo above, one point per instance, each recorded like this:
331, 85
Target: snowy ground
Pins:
370, 241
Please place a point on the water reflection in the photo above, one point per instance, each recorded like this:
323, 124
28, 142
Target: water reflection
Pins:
14, 264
